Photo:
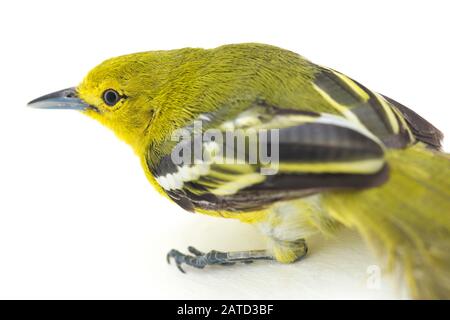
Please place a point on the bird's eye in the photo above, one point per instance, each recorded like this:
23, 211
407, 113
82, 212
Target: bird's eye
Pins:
111, 97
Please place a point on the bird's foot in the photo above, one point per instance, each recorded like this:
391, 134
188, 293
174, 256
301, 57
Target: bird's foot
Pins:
199, 259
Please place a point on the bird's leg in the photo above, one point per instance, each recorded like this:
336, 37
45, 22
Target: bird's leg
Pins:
200, 260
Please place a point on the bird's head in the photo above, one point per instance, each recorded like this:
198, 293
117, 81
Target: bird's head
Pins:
119, 93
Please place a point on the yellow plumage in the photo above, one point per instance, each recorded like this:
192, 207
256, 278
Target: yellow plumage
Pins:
407, 219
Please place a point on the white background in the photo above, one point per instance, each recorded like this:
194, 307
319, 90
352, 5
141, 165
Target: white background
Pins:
77, 216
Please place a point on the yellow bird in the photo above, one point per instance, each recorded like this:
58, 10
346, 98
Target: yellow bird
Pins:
260, 134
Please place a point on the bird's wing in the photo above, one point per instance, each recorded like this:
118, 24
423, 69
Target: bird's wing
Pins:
359, 104
308, 153
422, 129
317, 151
394, 124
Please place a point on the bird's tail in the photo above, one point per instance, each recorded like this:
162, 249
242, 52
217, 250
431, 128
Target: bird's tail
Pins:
407, 220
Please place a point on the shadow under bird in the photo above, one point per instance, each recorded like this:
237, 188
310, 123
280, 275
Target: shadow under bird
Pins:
345, 155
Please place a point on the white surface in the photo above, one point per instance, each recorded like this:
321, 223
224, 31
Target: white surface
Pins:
77, 217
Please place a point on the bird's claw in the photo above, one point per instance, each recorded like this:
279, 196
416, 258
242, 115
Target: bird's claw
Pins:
178, 257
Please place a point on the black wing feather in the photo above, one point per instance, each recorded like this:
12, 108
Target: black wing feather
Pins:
422, 129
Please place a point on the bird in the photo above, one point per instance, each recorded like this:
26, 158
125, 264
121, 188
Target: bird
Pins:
261, 134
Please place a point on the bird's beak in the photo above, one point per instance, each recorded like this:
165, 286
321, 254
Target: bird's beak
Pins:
64, 99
